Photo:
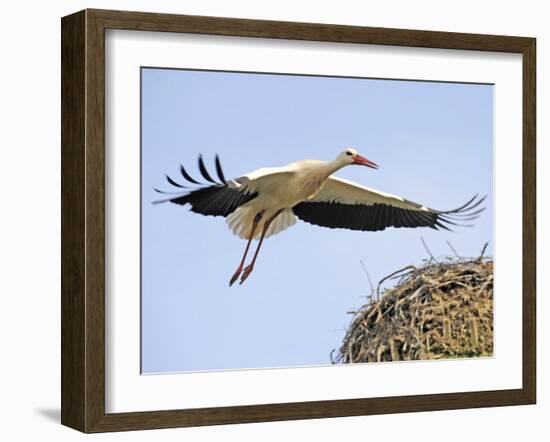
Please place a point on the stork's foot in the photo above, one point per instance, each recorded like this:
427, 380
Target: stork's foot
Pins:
235, 276
246, 272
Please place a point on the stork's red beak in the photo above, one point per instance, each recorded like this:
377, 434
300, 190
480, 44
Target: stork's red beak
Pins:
358, 159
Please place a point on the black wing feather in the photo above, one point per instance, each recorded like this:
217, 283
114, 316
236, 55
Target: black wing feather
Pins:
204, 172
215, 200
187, 176
173, 183
379, 216
219, 170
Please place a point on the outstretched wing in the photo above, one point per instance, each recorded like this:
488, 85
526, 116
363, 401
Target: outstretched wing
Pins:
220, 198
346, 205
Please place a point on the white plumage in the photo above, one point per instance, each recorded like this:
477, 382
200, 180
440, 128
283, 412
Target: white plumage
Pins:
240, 222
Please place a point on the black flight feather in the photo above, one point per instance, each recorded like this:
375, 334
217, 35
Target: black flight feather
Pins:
219, 169
204, 172
173, 183
379, 216
214, 200
187, 176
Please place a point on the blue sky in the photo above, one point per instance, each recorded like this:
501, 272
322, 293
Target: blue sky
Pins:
433, 142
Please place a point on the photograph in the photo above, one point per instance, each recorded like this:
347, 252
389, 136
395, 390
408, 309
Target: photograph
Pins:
292, 220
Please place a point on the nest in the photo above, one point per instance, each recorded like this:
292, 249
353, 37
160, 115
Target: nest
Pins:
439, 310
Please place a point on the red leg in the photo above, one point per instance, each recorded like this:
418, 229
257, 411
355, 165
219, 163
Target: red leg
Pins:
237, 273
248, 269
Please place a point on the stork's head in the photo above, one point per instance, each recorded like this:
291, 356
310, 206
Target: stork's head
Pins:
351, 156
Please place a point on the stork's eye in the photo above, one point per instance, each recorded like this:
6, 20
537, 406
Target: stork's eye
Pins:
349, 154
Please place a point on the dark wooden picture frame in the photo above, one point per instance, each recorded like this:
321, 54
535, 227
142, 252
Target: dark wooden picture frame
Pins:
83, 220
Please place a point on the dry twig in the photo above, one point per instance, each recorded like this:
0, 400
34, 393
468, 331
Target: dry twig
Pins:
440, 310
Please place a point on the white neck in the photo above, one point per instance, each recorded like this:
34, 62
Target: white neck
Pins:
333, 166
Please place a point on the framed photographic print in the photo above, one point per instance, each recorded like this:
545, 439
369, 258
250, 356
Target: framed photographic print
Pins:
271, 220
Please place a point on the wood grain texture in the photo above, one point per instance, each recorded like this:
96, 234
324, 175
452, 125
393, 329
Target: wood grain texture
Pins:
529, 221
83, 220
73, 126
145, 21
95, 221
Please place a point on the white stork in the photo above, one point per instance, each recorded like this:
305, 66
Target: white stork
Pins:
265, 202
